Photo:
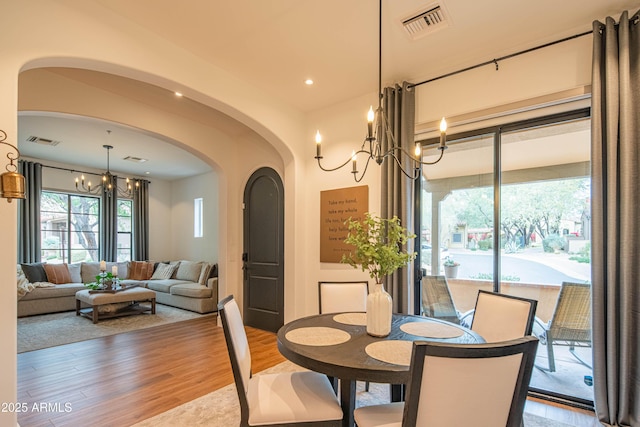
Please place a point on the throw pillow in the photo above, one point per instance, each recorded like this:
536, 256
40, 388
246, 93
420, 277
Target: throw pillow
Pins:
204, 273
34, 272
140, 270
163, 271
74, 271
57, 273
189, 271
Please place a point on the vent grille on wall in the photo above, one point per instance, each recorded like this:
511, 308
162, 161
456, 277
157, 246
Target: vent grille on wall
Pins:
43, 141
425, 22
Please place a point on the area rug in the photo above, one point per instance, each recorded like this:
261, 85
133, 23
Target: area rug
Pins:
49, 330
221, 408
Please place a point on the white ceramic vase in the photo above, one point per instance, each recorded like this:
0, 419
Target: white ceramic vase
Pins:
379, 312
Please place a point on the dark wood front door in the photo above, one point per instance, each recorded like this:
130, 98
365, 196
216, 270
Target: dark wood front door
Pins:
263, 254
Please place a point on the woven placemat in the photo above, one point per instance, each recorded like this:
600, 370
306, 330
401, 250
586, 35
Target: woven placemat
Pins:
397, 352
351, 318
431, 330
317, 336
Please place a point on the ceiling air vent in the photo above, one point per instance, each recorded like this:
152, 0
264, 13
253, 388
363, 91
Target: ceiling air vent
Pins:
426, 21
42, 141
135, 159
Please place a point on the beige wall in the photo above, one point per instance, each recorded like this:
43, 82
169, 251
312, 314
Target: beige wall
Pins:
87, 36
183, 193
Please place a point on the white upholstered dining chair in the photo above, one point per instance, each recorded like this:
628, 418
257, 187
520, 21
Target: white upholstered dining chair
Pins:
289, 398
480, 385
340, 297
501, 317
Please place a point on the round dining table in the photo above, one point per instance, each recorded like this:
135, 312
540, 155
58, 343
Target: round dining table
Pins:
337, 344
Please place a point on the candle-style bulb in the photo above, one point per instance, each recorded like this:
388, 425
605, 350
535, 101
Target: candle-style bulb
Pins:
443, 134
318, 142
418, 150
370, 117
443, 125
353, 162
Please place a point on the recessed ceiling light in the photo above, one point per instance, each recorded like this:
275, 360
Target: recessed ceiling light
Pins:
178, 94
147, 173
308, 82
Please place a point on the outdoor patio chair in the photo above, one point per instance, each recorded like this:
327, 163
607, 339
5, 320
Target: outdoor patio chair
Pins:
501, 317
289, 398
437, 301
570, 324
482, 385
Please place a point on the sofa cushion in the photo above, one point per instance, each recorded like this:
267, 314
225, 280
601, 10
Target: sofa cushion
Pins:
54, 291
34, 272
192, 290
163, 285
74, 271
57, 273
89, 271
123, 268
140, 270
189, 271
164, 271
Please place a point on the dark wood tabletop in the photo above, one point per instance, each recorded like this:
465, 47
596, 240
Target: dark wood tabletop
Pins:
349, 360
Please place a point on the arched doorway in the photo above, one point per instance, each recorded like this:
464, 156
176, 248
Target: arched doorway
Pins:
263, 253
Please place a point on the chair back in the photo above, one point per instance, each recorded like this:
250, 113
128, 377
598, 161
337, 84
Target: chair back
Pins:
500, 317
237, 344
481, 385
436, 299
337, 297
571, 318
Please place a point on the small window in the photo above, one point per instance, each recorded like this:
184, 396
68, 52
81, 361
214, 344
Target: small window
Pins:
197, 217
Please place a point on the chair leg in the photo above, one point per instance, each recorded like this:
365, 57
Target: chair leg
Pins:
572, 350
334, 383
552, 361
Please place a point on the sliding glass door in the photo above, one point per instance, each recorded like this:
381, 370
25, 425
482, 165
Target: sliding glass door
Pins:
508, 210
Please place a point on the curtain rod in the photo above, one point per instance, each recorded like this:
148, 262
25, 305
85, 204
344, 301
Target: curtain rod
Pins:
495, 61
83, 172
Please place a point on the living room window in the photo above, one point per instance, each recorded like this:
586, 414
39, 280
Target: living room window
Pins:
69, 227
197, 217
125, 226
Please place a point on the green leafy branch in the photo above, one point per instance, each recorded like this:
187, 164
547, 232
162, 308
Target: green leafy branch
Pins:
378, 245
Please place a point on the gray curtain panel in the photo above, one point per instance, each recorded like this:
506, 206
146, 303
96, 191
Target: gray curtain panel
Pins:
141, 222
615, 218
109, 229
29, 244
397, 189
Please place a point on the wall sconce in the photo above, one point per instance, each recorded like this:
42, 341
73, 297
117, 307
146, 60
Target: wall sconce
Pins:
11, 182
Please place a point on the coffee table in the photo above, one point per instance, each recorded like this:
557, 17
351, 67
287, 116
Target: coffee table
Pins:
133, 296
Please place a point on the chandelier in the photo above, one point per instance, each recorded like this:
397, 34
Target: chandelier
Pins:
372, 145
109, 182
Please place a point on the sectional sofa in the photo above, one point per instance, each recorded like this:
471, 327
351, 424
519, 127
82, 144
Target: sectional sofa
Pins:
49, 288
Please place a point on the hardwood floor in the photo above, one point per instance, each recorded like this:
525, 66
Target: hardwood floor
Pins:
125, 378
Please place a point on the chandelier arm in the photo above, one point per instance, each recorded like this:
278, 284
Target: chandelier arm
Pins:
332, 169
343, 164
435, 161
413, 176
366, 165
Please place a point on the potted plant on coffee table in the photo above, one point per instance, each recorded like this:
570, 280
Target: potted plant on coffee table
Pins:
379, 248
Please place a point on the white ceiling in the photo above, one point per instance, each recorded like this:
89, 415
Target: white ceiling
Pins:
275, 45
